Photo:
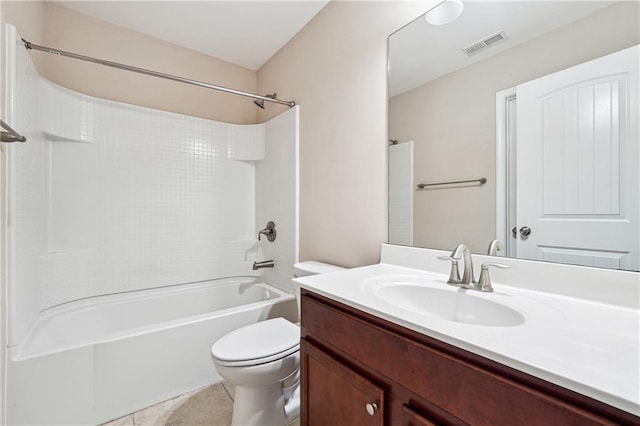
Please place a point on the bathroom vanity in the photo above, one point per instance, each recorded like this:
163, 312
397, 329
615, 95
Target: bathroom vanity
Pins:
368, 359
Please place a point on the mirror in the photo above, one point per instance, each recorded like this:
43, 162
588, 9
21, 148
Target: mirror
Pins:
518, 121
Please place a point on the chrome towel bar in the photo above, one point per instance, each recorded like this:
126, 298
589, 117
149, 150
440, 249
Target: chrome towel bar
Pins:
481, 181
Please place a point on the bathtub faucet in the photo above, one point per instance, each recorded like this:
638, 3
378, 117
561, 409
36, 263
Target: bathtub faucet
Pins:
269, 232
263, 264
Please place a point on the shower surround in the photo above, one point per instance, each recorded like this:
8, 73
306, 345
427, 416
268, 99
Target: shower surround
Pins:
108, 198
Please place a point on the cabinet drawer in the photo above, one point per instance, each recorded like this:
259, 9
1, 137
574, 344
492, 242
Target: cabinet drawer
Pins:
473, 394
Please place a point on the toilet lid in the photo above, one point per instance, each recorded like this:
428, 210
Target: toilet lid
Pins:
258, 343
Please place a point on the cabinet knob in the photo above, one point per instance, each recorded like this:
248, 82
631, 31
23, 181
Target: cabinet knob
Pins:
372, 407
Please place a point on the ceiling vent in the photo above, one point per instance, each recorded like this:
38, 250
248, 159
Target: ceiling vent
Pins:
485, 43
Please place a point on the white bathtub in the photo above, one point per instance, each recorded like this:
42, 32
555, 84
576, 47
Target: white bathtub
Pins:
94, 360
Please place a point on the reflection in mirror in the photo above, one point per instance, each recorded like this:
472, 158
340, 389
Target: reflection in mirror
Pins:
541, 100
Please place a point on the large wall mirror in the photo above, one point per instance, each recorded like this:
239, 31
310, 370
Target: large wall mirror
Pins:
518, 121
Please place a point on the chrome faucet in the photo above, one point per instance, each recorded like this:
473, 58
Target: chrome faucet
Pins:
454, 275
269, 231
484, 282
264, 264
468, 280
494, 247
463, 252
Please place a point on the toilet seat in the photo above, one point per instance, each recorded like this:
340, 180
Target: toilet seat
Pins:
257, 343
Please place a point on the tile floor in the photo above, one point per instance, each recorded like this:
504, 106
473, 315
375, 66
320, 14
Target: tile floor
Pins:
209, 406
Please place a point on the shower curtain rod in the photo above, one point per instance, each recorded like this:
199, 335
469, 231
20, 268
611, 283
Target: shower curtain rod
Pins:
28, 45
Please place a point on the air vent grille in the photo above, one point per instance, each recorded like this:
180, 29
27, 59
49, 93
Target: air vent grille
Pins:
485, 43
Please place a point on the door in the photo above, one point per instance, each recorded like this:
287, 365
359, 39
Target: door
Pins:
333, 394
577, 164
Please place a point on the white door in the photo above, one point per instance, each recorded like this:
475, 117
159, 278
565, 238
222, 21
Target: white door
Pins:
578, 164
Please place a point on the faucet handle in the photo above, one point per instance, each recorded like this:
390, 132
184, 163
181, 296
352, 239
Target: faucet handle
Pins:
486, 265
447, 258
484, 282
269, 232
454, 275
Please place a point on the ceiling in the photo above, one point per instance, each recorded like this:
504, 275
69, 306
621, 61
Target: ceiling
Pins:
420, 52
246, 33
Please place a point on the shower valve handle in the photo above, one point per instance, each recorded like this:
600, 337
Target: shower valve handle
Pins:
269, 232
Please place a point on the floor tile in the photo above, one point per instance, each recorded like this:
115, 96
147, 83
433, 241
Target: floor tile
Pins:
231, 389
210, 406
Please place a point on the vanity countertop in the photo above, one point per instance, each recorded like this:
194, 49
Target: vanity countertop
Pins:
589, 347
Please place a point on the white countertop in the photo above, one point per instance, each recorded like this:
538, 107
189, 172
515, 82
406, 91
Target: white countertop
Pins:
583, 345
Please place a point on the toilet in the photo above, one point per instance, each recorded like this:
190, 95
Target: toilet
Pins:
262, 360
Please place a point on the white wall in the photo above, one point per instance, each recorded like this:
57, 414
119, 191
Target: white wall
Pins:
336, 69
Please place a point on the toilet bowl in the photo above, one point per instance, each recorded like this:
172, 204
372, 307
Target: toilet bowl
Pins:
262, 361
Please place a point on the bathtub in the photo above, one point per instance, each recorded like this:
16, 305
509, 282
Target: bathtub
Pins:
93, 360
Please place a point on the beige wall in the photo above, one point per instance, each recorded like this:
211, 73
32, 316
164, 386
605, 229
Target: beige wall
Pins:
28, 17
452, 121
336, 70
55, 26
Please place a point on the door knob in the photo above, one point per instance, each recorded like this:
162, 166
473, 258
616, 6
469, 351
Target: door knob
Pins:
372, 407
525, 231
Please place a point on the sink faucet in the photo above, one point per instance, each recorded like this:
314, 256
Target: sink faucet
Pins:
463, 252
468, 279
484, 282
494, 247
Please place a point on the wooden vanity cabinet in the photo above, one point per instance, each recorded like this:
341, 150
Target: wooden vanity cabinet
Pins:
357, 369
340, 389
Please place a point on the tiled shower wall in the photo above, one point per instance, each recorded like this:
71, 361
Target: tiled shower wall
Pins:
27, 221
108, 197
141, 199
276, 195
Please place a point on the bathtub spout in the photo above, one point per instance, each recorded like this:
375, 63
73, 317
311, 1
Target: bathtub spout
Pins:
263, 264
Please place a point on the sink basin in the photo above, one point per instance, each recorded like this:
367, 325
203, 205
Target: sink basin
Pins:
453, 305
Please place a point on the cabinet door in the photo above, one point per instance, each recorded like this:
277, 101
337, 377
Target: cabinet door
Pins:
333, 394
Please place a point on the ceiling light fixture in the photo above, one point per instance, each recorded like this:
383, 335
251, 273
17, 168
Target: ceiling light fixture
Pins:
444, 13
